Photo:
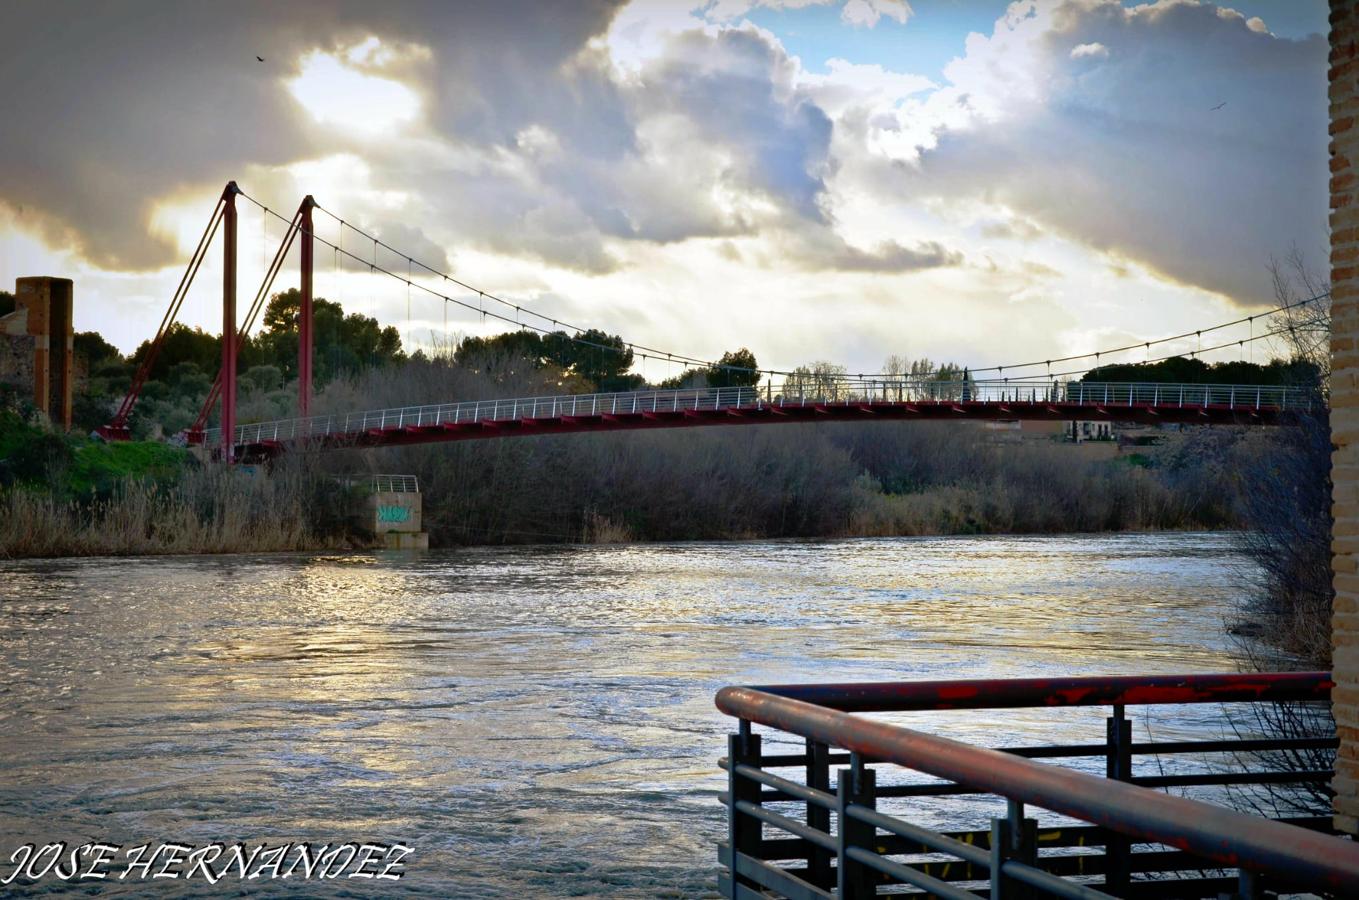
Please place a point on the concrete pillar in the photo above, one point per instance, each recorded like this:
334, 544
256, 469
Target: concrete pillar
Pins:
1344, 101
396, 519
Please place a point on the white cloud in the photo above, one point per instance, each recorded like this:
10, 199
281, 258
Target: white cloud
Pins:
867, 13
858, 13
728, 10
846, 84
1093, 50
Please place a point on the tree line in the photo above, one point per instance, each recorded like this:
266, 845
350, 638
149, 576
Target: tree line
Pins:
347, 345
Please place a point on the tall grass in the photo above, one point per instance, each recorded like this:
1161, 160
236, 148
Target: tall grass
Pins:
208, 510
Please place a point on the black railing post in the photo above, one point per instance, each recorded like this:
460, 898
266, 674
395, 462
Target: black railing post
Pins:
1012, 838
1248, 886
856, 785
1000, 844
818, 817
1118, 765
743, 832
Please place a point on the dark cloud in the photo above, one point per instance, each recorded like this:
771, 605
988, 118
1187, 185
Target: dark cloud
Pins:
411, 241
736, 89
1010, 230
108, 107
114, 109
888, 256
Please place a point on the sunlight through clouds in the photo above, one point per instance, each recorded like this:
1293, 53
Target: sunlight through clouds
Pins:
337, 93
657, 167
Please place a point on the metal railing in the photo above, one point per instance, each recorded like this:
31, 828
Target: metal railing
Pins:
479, 411
794, 392
395, 484
851, 838
380, 484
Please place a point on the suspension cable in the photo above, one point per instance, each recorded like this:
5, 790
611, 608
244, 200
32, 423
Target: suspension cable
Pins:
143, 372
688, 359
557, 324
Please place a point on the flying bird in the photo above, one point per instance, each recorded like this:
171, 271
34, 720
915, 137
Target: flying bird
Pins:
1214, 109
260, 58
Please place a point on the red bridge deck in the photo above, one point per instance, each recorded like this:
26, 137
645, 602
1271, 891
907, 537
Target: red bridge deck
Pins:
859, 402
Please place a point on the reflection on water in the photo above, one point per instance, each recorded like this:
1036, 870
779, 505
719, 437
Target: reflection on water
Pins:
537, 720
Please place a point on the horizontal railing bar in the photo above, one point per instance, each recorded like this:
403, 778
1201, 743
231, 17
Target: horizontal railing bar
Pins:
765, 797
792, 826
1220, 835
1223, 778
783, 785
1195, 779
775, 878
952, 870
1172, 748
934, 840
1067, 864
1073, 751
724, 857
790, 760
1056, 751
1052, 883
777, 848
1057, 837
1014, 693
1155, 889
1241, 746
908, 875
743, 892
929, 789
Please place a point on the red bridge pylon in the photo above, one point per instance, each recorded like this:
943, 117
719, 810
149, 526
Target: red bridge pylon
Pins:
224, 216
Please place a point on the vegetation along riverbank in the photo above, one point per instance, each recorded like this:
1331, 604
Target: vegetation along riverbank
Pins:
68, 495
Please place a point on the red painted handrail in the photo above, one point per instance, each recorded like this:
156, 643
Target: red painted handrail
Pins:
1230, 838
1100, 690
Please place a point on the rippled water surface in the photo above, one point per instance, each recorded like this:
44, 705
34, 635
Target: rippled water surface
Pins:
533, 721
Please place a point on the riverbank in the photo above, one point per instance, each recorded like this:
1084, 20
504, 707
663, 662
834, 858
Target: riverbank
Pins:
148, 525
206, 510
147, 520
70, 496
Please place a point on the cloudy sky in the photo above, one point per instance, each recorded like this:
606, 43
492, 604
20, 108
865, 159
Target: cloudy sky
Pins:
961, 179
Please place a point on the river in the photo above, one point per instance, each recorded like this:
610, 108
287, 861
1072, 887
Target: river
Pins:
533, 721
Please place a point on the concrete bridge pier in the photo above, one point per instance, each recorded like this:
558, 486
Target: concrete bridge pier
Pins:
394, 512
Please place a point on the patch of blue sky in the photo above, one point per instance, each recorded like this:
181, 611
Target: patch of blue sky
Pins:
923, 46
936, 33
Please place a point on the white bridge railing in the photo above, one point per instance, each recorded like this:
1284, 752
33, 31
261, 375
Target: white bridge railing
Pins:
803, 392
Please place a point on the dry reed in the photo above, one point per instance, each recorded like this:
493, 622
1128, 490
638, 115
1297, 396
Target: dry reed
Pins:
213, 510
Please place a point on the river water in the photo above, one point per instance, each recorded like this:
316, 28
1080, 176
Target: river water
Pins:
532, 721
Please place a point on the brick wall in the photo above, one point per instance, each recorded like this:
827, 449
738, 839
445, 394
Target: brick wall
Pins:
16, 362
1344, 98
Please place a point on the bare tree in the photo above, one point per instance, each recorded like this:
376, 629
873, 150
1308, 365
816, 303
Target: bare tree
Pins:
1285, 497
1306, 323
896, 368
1285, 486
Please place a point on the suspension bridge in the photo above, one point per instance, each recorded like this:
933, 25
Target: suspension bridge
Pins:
843, 402
798, 396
